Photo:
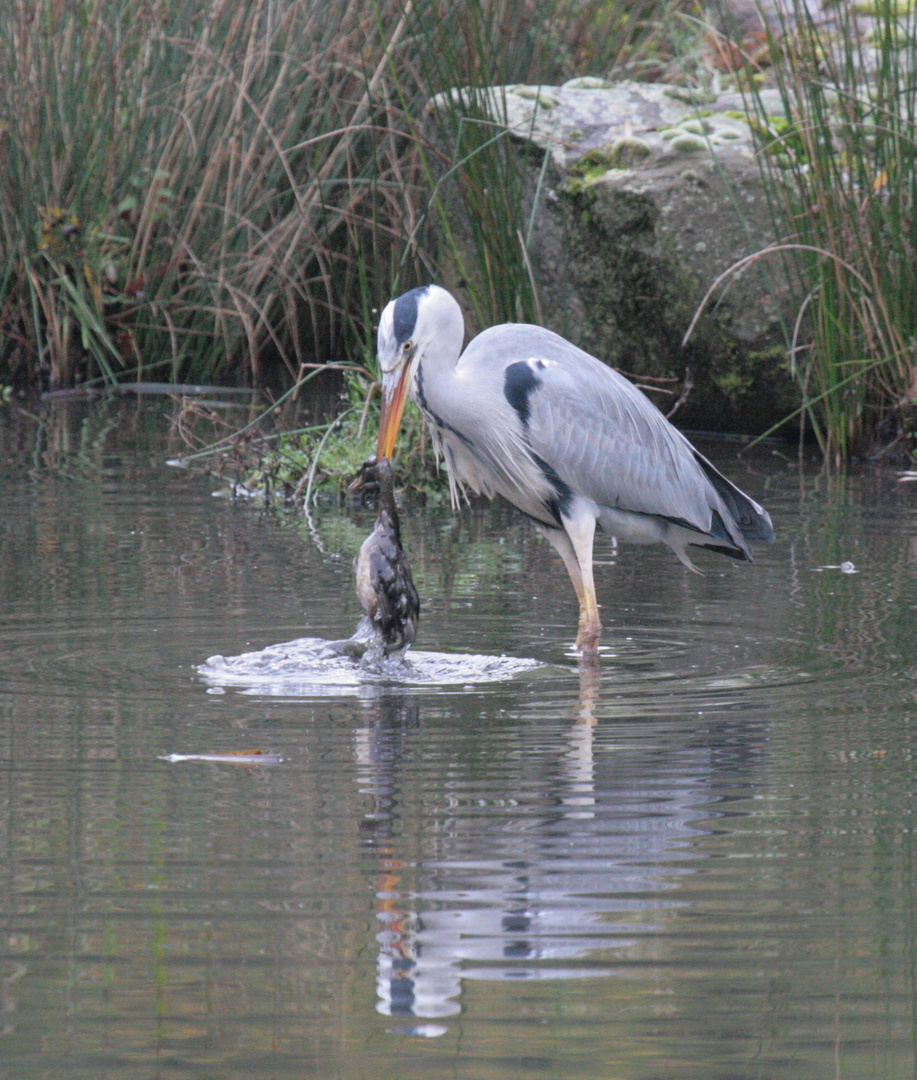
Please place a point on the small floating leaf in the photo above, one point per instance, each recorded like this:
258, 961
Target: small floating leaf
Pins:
234, 757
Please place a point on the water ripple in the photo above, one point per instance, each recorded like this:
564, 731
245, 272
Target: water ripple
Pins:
304, 667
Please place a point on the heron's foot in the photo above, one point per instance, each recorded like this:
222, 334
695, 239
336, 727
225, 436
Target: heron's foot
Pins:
590, 633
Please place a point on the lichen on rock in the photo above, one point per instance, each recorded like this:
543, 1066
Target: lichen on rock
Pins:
644, 205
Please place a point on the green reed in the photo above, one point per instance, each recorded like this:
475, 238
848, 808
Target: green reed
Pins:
481, 189
842, 172
181, 184
227, 190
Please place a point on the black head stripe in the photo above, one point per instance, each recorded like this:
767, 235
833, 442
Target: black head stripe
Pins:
405, 314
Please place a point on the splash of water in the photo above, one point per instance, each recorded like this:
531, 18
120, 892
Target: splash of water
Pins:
315, 665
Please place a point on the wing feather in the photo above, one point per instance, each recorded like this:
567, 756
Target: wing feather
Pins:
606, 440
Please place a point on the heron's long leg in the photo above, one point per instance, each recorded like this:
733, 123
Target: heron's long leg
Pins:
574, 545
561, 544
581, 533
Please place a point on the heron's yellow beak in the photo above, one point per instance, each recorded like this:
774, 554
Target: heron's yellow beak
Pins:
394, 397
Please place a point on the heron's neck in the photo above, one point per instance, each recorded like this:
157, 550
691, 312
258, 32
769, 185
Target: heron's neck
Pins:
433, 384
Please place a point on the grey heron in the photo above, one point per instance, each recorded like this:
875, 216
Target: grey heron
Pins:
384, 582
525, 414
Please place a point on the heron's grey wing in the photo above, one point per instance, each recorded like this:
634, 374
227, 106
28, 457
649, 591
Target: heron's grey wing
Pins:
605, 439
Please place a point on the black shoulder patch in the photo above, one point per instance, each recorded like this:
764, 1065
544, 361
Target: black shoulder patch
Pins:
518, 383
405, 313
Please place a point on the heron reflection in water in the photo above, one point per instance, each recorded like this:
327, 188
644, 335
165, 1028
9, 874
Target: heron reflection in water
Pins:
385, 586
525, 414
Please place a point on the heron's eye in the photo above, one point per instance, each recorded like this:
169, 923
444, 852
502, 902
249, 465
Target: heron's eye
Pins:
407, 347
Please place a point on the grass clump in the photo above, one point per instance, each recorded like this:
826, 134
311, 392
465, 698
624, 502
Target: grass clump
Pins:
841, 168
274, 457
319, 462
226, 191
189, 190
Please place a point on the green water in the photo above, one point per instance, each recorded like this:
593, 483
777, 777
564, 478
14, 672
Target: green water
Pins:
697, 864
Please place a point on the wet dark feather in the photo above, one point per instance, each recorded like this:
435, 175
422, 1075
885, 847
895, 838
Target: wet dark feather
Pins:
385, 586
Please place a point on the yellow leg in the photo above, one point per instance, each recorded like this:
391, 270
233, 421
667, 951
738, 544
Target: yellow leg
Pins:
574, 545
590, 625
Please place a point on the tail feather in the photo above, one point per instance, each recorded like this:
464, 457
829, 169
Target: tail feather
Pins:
752, 520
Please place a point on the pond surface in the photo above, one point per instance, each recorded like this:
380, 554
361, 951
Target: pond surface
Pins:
698, 863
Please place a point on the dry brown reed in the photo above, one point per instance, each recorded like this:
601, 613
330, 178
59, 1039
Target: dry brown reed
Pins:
225, 190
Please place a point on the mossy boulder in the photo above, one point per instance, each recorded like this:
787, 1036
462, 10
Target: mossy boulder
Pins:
646, 201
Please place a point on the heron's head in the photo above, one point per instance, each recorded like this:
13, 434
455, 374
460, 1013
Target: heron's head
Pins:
425, 322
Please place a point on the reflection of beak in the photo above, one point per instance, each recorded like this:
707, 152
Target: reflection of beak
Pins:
394, 397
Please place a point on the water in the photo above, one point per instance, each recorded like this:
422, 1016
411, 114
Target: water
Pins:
698, 862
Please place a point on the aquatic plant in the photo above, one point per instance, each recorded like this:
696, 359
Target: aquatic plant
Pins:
841, 170
274, 456
321, 460
226, 191
189, 190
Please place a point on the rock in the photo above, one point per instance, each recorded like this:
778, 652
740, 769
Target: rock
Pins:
651, 193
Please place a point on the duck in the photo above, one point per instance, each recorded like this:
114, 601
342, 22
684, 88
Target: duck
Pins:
384, 583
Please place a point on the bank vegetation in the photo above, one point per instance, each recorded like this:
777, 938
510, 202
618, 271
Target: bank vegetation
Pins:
227, 192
